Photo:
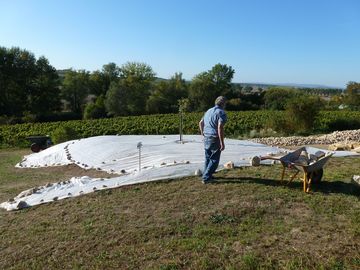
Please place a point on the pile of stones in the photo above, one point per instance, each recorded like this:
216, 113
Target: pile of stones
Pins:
338, 140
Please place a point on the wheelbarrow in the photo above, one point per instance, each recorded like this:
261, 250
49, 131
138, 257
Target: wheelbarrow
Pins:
312, 173
39, 143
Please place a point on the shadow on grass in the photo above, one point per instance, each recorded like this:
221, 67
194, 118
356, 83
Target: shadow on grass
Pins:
325, 187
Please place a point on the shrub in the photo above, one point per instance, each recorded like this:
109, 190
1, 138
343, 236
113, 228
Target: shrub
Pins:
239, 123
28, 117
276, 97
301, 113
59, 116
344, 124
63, 134
95, 110
280, 124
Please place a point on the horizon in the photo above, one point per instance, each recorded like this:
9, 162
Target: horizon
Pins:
302, 42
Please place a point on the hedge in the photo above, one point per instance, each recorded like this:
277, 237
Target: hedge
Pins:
238, 123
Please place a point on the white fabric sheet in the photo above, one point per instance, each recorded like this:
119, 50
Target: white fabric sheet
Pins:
162, 157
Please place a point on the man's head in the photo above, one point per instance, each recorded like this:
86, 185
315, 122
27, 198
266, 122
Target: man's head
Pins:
220, 101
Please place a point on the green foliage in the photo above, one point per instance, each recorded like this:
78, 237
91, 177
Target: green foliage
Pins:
299, 117
345, 124
63, 134
219, 218
322, 91
27, 84
28, 117
76, 86
276, 98
239, 123
183, 105
95, 110
280, 124
166, 95
45, 93
202, 92
337, 120
246, 102
100, 81
116, 99
301, 113
352, 98
206, 86
128, 96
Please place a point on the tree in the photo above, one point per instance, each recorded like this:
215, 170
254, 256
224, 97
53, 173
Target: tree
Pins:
75, 89
222, 76
17, 69
111, 73
95, 110
248, 89
166, 94
44, 94
275, 98
301, 112
130, 93
98, 84
352, 95
26, 84
202, 92
116, 99
100, 80
206, 86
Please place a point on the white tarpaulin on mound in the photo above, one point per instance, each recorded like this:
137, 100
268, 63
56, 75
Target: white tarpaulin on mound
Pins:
162, 157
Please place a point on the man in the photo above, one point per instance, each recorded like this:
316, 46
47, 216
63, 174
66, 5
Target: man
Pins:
212, 128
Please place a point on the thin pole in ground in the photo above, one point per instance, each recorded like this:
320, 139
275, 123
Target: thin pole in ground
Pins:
139, 145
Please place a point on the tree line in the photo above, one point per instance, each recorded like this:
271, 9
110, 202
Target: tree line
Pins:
30, 89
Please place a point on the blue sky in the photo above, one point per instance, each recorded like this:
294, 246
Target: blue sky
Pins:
270, 41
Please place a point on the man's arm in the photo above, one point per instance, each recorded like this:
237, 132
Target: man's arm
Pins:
201, 126
221, 135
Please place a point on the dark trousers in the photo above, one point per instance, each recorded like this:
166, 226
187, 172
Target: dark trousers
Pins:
212, 156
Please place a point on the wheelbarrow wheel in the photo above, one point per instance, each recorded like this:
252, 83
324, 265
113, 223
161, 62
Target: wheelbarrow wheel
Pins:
35, 148
316, 176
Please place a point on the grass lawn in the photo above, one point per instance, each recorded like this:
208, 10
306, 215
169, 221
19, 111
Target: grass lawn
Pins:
247, 220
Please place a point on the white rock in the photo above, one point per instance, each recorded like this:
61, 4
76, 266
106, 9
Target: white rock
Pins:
229, 165
356, 179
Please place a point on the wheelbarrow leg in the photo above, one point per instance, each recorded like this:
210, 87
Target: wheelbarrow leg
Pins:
292, 177
283, 173
305, 182
309, 183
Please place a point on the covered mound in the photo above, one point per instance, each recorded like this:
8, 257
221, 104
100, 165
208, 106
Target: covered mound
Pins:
162, 157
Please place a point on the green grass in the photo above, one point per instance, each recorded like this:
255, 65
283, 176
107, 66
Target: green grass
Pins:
247, 220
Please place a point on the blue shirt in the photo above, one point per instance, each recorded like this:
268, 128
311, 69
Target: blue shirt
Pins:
211, 120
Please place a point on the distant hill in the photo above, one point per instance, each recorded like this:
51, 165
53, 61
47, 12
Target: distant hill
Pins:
61, 73
318, 86
266, 85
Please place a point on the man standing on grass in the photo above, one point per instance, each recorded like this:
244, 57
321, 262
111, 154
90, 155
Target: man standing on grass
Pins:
212, 128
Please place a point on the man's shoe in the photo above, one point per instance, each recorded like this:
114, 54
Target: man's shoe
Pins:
208, 181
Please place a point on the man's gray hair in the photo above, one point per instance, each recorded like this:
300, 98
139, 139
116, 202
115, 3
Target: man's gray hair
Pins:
220, 101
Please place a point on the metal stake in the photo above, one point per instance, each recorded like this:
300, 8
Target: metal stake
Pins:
139, 145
